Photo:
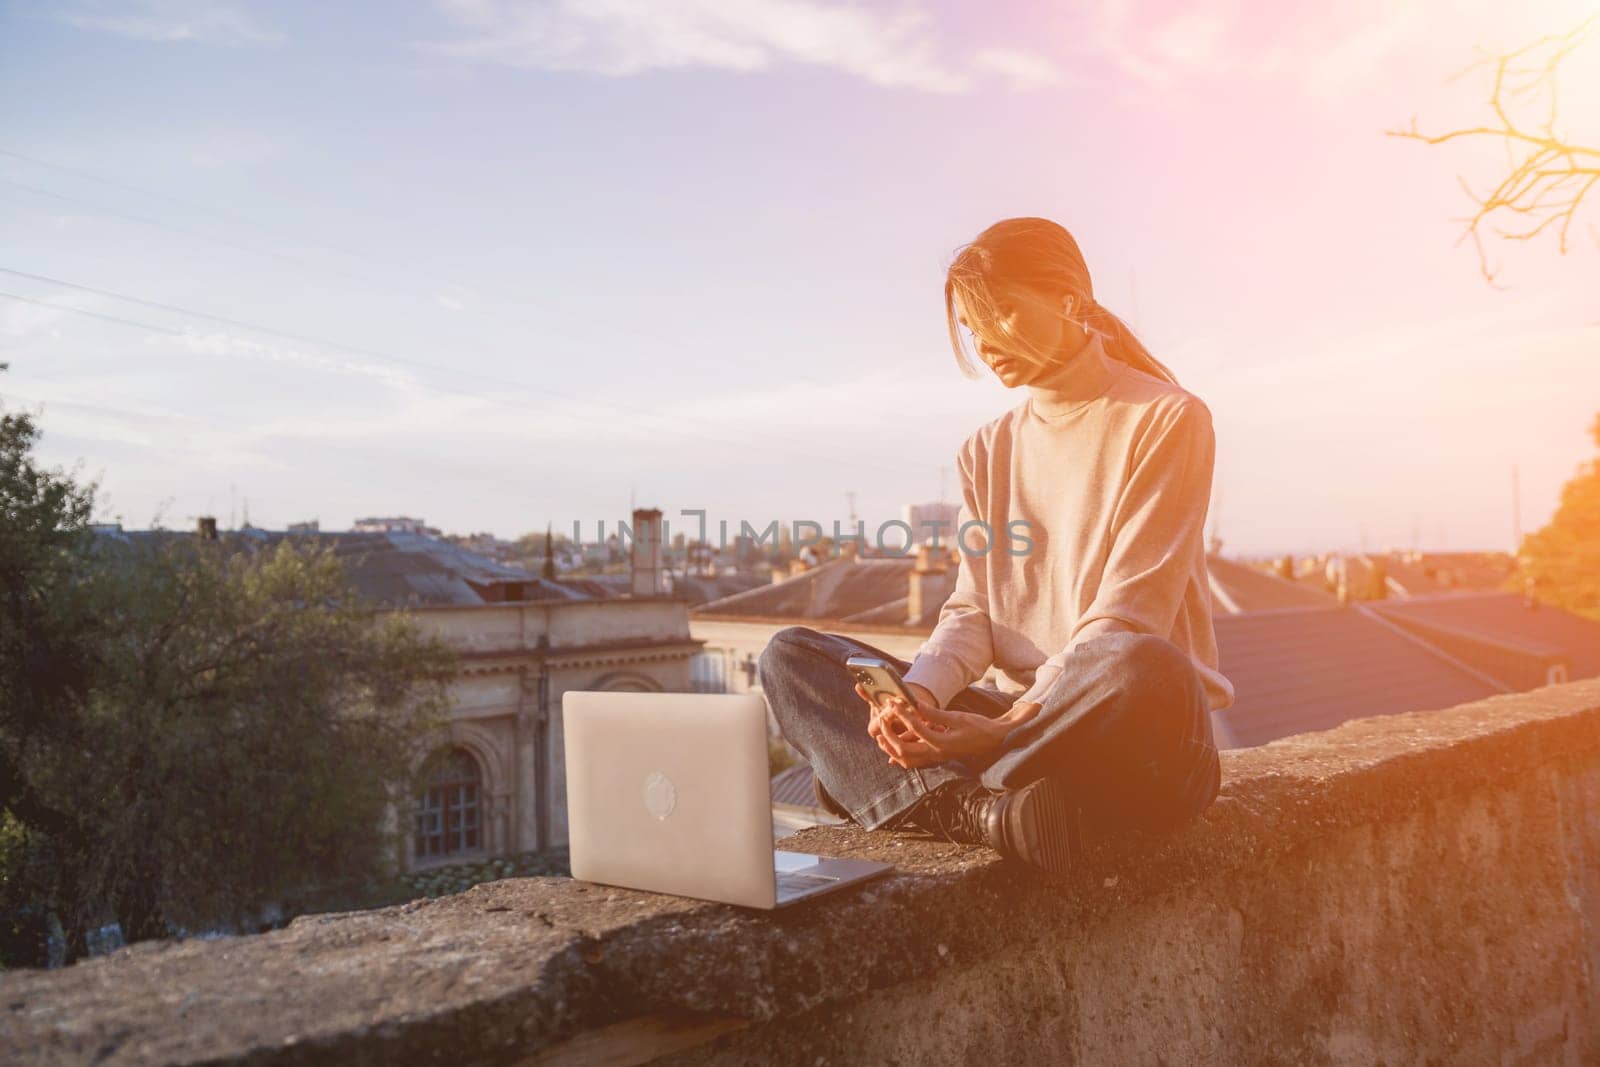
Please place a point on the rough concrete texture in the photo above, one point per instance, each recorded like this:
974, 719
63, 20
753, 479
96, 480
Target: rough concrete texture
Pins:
1406, 889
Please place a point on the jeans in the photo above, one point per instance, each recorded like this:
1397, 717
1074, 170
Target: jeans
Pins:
1126, 727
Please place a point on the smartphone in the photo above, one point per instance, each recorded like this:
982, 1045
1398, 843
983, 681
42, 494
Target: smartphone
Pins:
879, 678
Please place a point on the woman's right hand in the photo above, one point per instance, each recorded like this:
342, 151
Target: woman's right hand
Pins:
886, 724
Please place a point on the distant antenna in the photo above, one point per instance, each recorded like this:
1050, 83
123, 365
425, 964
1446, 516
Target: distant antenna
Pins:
1516, 512
850, 499
233, 509
1216, 515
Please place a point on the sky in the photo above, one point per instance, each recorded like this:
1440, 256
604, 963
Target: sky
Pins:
499, 264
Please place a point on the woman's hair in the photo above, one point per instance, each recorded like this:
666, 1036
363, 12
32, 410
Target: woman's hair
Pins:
1043, 256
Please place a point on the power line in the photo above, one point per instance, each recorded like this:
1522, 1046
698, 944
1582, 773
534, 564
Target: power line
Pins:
104, 409
226, 321
145, 221
378, 286
673, 343
168, 197
323, 343
480, 474
94, 315
169, 332
369, 354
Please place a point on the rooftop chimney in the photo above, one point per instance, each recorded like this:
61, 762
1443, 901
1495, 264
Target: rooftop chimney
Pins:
1378, 580
207, 528
646, 556
931, 583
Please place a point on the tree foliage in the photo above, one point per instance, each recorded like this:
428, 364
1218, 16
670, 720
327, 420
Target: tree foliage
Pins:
48, 638
1562, 560
191, 731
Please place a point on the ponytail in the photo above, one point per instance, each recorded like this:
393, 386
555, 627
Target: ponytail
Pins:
1042, 254
1121, 343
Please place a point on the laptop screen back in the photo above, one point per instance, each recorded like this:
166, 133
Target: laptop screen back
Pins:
669, 792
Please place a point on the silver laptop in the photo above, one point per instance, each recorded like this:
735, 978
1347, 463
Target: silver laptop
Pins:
669, 792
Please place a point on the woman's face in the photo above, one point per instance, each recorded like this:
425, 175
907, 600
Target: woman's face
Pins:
1027, 335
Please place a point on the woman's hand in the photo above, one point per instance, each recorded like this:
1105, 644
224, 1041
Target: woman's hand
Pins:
950, 734
926, 734
886, 722
938, 734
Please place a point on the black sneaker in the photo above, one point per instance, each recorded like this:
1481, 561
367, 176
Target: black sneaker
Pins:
1038, 825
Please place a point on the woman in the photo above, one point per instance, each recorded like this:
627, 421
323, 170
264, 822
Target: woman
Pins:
1082, 580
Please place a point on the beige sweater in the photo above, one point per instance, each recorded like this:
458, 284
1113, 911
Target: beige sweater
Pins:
1096, 489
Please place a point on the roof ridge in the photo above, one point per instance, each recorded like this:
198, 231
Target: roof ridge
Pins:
1472, 672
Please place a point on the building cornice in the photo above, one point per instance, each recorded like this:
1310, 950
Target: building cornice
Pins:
504, 660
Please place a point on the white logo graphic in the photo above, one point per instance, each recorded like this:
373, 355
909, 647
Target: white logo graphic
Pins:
660, 795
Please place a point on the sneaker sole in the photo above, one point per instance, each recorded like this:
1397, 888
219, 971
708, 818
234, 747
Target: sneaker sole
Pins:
1040, 828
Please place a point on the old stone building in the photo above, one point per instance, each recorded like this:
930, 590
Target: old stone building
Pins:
499, 785
496, 783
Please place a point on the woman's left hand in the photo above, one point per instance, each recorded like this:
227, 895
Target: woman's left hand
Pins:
940, 734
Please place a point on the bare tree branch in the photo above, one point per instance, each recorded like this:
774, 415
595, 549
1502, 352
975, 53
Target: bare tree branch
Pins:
1548, 176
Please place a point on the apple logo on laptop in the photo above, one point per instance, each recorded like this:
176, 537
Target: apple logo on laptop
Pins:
660, 795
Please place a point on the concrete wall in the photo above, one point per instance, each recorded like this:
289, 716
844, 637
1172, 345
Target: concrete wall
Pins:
1407, 889
1460, 934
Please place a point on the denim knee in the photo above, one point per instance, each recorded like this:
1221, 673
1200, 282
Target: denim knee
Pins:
783, 645
1162, 685
1153, 657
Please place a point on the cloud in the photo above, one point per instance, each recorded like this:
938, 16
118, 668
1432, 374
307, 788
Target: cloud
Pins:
1338, 63
170, 21
1193, 41
233, 147
1160, 51
896, 49
1023, 70
231, 346
454, 297
21, 321
1327, 55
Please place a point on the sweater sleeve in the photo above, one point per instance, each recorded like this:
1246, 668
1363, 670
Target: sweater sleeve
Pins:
1160, 519
961, 647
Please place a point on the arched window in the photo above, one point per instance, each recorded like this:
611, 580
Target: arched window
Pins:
625, 681
448, 810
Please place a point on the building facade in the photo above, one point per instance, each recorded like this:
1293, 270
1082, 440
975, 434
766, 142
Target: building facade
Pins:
495, 781
498, 783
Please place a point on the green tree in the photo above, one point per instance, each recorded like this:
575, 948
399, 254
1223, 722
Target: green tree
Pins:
205, 729
49, 634
255, 719
1562, 561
